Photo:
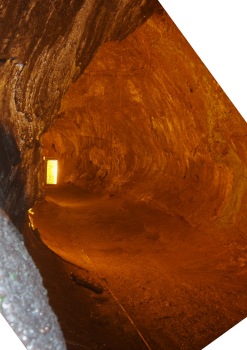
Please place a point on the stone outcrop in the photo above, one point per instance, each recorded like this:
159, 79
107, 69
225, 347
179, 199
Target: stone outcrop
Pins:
23, 299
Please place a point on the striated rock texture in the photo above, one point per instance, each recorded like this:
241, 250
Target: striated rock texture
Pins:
147, 119
44, 45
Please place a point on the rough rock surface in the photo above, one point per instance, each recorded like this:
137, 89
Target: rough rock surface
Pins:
148, 119
23, 299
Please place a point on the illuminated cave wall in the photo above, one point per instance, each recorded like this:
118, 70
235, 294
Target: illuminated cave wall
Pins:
147, 120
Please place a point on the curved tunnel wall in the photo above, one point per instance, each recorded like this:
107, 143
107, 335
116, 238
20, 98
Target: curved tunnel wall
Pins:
145, 120
148, 120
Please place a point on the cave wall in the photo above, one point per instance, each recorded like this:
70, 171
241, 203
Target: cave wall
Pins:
23, 299
148, 120
43, 46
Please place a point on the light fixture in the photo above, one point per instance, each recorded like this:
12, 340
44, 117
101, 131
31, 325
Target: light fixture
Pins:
51, 171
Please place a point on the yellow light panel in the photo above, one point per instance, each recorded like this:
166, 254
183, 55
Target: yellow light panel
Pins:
51, 172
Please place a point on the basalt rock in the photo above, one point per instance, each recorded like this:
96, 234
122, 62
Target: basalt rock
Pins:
23, 299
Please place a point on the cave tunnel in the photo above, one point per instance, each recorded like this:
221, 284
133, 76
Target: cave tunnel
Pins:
140, 239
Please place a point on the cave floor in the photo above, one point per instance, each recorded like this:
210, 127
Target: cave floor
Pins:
177, 286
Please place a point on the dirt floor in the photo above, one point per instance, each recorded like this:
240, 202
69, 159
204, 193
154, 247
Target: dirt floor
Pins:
125, 276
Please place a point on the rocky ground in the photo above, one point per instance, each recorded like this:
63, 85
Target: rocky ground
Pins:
122, 271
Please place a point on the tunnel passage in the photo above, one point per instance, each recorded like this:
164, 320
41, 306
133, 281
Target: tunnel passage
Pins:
147, 128
152, 169
147, 120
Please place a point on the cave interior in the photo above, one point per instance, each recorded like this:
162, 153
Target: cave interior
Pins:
141, 241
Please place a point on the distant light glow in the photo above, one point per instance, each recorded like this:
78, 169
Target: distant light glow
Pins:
51, 171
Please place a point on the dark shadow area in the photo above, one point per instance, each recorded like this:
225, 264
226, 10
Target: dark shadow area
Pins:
11, 179
10, 154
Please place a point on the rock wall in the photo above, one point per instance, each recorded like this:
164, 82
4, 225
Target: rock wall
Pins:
149, 121
45, 45
23, 299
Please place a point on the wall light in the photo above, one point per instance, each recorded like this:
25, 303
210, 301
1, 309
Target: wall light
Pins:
51, 171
